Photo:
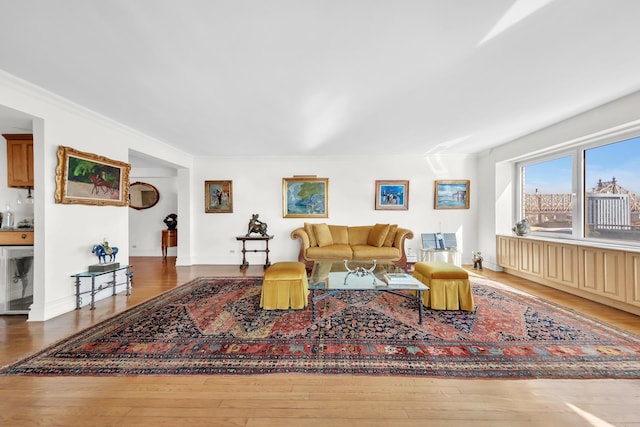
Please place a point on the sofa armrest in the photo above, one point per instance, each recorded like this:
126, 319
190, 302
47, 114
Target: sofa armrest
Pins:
402, 234
305, 243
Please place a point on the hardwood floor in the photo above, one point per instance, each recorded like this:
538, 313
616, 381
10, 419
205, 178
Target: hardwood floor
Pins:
295, 400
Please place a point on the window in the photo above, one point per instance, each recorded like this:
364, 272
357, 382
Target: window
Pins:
587, 192
612, 186
547, 201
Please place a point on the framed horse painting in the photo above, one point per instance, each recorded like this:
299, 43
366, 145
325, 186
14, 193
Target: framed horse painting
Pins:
89, 179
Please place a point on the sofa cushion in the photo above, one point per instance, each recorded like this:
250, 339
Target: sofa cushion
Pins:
359, 234
377, 235
311, 233
323, 235
339, 234
391, 235
368, 252
331, 252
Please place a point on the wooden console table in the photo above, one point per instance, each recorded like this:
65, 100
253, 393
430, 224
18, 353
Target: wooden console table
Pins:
95, 288
169, 239
244, 240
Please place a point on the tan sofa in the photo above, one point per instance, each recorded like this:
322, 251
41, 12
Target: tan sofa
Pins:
321, 242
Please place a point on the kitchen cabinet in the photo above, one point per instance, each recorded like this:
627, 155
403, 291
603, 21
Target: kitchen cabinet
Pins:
19, 160
16, 237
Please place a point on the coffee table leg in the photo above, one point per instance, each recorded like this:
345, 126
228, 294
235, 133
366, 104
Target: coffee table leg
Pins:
420, 303
313, 306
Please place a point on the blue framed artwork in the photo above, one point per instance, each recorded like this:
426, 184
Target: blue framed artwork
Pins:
451, 194
392, 195
305, 197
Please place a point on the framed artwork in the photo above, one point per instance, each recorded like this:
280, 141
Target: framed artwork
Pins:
89, 179
218, 197
392, 195
305, 197
451, 194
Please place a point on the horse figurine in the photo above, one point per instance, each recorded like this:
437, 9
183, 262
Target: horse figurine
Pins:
103, 250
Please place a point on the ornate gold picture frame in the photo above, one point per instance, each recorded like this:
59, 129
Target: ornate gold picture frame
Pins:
452, 194
89, 179
305, 197
218, 196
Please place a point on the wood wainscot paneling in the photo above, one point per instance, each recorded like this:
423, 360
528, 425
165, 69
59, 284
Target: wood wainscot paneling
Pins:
607, 276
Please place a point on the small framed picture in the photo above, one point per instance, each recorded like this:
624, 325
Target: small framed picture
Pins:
305, 197
392, 195
451, 194
218, 197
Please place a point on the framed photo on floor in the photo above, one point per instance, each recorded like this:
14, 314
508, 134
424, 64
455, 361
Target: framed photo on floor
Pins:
305, 197
90, 179
218, 196
452, 194
392, 195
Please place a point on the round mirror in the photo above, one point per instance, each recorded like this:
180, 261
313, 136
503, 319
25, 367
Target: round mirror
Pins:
143, 195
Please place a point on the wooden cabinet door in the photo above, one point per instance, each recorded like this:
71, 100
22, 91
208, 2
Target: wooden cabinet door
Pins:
633, 278
602, 272
19, 160
531, 255
561, 263
508, 252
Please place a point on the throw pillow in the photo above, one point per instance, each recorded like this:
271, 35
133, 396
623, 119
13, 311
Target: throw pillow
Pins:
377, 235
312, 235
391, 235
323, 234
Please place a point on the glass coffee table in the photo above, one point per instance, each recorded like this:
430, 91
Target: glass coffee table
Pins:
330, 277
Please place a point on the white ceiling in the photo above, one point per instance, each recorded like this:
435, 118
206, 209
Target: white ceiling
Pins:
312, 77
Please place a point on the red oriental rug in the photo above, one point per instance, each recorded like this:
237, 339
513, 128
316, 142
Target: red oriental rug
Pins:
215, 326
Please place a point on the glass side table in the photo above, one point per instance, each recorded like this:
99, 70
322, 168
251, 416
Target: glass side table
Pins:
450, 255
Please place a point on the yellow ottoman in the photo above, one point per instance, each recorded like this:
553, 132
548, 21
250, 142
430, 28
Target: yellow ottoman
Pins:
449, 286
285, 286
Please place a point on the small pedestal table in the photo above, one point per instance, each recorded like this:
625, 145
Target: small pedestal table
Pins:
244, 239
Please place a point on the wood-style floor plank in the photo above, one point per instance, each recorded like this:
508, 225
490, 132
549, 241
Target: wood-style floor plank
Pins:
295, 400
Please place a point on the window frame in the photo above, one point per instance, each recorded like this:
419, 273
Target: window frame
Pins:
576, 151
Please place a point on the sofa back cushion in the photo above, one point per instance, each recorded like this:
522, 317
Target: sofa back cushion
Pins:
391, 235
359, 235
323, 235
377, 235
311, 234
339, 234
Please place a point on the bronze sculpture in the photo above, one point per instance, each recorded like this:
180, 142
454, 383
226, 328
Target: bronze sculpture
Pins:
256, 226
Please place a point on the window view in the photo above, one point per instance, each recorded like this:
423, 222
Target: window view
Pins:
612, 187
547, 188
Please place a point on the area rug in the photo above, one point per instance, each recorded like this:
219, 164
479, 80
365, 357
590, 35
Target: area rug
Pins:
215, 326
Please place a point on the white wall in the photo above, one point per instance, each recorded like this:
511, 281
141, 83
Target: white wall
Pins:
146, 225
496, 170
64, 233
257, 188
